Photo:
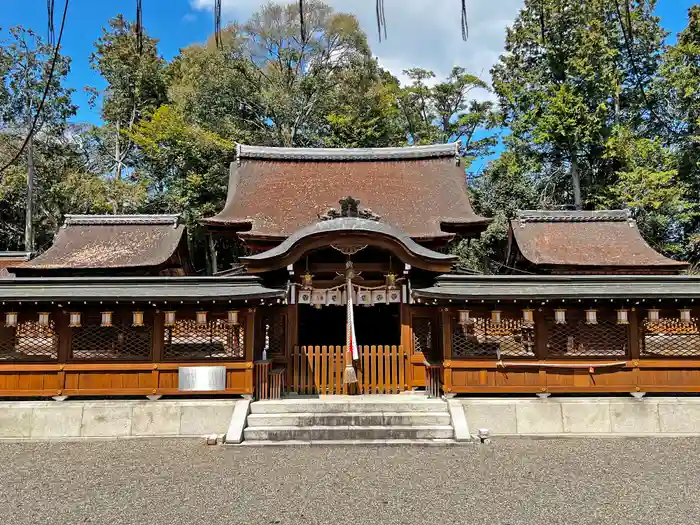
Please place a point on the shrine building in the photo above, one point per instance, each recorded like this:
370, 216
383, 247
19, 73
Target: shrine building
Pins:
115, 306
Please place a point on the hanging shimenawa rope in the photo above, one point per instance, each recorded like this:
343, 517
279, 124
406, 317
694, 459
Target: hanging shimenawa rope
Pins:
44, 95
51, 30
464, 23
381, 19
139, 27
217, 23
302, 26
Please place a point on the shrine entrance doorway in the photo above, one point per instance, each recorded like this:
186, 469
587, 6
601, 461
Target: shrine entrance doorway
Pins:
320, 358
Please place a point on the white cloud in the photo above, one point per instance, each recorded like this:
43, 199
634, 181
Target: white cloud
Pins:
421, 33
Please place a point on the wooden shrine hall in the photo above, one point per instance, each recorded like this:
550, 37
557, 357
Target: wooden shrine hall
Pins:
116, 308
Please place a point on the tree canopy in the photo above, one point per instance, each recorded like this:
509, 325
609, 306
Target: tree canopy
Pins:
596, 110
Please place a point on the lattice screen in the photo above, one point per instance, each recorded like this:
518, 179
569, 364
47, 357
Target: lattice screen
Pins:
481, 336
423, 334
121, 341
576, 338
671, 337
274, 333
28, 341
216, 339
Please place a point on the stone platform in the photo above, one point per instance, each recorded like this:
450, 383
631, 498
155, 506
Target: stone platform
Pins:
583, 416
114, 418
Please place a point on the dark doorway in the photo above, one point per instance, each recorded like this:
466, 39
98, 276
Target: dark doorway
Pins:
374, 325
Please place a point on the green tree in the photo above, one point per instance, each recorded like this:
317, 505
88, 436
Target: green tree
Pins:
136, 86
445, 111
27, 64
571, 74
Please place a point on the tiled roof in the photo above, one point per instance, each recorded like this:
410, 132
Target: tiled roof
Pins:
608, 238
274, 192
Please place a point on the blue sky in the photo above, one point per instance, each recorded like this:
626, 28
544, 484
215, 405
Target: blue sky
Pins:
177, 23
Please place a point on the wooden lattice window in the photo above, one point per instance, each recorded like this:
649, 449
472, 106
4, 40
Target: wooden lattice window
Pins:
670, 336
121, 341
482, 336
28, 341
217, 338
423, 334
577, 338
273, 331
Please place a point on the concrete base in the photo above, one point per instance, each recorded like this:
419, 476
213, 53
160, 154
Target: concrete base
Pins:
114, 419
459, 421
584, 417
234, 434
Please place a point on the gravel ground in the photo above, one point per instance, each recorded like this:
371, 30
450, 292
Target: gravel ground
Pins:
174, 482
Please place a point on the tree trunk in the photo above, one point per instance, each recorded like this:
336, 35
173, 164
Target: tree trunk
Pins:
212, 254
576, 182
29, 226
118, 155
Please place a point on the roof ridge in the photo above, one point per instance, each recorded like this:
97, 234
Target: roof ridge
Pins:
524, 216
113, 220
339, 154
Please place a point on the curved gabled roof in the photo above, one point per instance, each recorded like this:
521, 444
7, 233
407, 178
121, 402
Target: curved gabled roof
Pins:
420, 190
606, 238
350, 229
111, 241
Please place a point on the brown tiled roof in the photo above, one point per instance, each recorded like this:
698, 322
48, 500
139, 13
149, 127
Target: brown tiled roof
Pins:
608, 238
274, 192
111, 241
10, 260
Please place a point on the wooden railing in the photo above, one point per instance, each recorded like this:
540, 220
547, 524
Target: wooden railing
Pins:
319, 370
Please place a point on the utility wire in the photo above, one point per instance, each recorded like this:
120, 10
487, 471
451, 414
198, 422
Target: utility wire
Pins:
44, 95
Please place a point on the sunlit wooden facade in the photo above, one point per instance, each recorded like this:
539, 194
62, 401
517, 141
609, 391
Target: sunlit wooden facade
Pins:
114, 307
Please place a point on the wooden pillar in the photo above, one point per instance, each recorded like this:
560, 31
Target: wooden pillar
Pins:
64, 336
250, 334
406, 343
446, 324
292, 340
635, 336
157, 347
540, 333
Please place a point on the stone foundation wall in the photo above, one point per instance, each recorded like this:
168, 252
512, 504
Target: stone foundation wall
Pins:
594, 416
114, 419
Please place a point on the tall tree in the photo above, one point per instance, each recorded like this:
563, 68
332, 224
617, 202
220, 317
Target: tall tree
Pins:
28, 61
445, 112
128, 60
573, 73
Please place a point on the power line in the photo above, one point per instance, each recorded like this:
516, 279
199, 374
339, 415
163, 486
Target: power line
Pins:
44, 95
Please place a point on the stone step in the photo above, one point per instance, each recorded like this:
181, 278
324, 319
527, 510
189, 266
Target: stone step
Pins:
295, 406
439, 442
352, 433
349, 419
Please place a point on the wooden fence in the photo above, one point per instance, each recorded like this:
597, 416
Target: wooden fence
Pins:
319, 370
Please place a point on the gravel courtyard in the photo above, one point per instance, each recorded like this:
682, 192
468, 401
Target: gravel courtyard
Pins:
635, 481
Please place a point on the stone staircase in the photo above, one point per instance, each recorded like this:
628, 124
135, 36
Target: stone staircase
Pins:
372, 419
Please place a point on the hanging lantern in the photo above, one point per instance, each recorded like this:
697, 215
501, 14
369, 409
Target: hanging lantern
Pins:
623, 316
233, 317
591, 316
685, 315
463, 317
11, 319
307, 281
496, 316
137, 318
528, 317
201, 318
560, 316
74, 320
170, 318
106, 319
653, 315
390, 281
43, 318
